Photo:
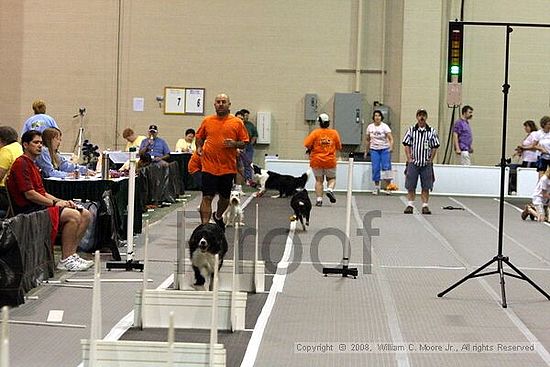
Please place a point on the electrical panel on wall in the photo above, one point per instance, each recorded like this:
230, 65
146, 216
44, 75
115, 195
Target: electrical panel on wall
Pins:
348, 117
311, 101
263, 125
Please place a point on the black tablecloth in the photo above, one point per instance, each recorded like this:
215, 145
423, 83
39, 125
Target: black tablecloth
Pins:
26, 257
93, 190
160, 183
183, 160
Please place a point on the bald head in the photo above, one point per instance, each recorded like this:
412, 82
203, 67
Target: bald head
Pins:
222, 104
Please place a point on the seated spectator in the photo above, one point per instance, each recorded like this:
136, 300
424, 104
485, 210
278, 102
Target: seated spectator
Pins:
53, 164
154, 146
132, 139
10, 149
27, 192
187, 143
39, 121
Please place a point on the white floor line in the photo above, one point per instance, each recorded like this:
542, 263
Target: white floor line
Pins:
529, 251
439, 237
539, 347
277, 286
402, 358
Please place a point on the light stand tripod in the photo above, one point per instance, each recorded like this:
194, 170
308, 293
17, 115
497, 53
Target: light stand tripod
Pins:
500, 259
77, 149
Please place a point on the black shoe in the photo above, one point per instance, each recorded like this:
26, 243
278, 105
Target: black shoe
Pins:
408, 210
319, 203
331, 197
219, 222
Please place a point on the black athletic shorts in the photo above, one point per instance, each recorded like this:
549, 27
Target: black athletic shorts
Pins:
221, 185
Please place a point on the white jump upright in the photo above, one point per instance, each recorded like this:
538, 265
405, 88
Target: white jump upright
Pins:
4, 339
345, 270
214, 317
130, 263
170, 340
138, 311
179, 274
95, 324
235, 278
258, 282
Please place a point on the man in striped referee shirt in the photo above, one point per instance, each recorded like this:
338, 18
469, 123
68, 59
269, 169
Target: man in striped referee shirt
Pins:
421, 143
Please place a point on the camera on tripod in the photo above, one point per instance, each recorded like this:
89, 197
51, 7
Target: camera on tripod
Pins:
90, 154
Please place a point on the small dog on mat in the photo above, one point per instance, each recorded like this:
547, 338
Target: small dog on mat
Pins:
234, 213
206, 241
285, 184
301, 204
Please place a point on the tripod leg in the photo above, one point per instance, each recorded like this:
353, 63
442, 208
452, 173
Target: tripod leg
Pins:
469, 276
500, 270
526, 278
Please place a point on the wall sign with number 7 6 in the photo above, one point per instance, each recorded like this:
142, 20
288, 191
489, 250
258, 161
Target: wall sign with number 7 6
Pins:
174, 100
194, 101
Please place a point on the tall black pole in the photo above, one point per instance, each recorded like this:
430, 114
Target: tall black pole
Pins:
505, 89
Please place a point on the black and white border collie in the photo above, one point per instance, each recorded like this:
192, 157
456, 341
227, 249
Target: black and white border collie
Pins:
285, 184
206, 241
301, 204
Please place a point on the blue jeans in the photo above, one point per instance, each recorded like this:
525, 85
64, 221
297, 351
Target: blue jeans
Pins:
380, 161
247, 161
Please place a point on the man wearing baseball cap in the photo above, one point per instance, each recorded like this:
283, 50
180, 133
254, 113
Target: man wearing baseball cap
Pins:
421, 143
322, 145
154, 146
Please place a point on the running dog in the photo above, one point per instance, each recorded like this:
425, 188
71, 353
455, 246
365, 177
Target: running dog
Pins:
206, 241
285, 184
234, 213
301, 204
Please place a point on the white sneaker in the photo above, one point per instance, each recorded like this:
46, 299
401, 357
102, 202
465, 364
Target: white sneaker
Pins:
376, 191
87, 262
72, 264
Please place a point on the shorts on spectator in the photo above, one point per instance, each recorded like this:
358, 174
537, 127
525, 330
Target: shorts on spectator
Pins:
221, 185
425, 173
326, 172
543, 165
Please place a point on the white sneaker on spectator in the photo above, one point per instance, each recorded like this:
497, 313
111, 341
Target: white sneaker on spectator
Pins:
87, 262
72, 263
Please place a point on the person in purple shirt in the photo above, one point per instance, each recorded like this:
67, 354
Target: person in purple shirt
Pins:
154, 146
462, 136
39, 121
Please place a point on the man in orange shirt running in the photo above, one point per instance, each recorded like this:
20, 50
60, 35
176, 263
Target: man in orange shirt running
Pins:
217, 141
322, 145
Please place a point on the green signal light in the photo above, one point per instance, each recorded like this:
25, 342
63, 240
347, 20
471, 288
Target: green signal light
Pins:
455, 70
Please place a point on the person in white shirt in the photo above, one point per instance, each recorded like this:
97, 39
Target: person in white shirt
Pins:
187, 143
527, 151
541, 196
379, 141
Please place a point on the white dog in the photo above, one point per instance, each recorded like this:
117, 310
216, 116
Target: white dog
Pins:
234, 213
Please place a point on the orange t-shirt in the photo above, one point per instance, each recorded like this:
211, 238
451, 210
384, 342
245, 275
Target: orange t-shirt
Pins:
323, 144
194, 164
216, 159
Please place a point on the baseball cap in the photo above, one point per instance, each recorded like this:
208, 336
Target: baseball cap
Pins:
323, 118
153, 128
421, 111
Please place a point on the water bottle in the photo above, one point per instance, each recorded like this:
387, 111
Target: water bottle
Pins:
105, 162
